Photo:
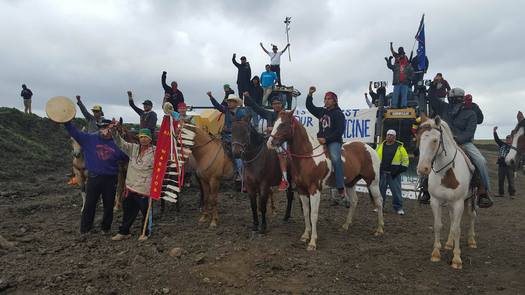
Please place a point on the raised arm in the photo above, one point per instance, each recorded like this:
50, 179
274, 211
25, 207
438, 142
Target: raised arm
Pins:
316, 111
235, 61
389, 63
287, 45
83, 109
216, 104
264, 49
266, 114
125, 146
132, 104
437, 105
163, 81
368, 102
496, 137
79, 136
392, 49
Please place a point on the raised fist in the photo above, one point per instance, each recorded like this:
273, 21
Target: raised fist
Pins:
311, 90
78, 97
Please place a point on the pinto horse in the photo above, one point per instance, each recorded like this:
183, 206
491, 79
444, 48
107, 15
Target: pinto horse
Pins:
518, 141
449, 174
311, 168
211, 166
261, 169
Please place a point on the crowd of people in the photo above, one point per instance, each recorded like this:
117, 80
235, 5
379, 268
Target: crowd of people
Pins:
104, 148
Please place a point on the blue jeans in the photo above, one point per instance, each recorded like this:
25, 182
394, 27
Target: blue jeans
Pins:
479, 161
385, 181
400, 90
335, 156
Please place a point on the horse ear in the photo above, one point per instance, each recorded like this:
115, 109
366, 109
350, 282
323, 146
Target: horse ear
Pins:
519, 116
437, 120
423, 117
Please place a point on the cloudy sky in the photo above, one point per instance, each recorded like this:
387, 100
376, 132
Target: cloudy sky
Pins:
100, 49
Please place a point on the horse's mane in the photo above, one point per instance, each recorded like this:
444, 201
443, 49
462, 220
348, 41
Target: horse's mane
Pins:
298, 123
521, 124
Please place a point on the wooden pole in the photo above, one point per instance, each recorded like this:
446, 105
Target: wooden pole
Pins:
146, 221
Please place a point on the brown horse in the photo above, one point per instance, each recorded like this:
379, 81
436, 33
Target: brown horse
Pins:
211, 166
518, 141
261, 169
311, 168
79, 169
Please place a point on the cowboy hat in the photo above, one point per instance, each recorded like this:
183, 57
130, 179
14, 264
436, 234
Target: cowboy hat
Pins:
60, 109
234, 98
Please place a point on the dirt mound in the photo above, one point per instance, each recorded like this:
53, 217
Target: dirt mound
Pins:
31, 145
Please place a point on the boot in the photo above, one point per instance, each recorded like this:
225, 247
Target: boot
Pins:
484, 201
120, 237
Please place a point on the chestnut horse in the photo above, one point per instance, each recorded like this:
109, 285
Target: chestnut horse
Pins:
518, 142
311, 168
79, 169
261, 169
211, 166
449, 174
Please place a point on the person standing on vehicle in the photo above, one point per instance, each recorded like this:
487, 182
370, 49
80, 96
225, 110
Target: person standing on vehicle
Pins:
172, 94
275, 60
244, 74
268, 79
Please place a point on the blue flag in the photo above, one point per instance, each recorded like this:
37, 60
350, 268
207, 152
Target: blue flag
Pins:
420, 37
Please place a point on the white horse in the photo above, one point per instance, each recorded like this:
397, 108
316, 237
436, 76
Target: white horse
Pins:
518, 141
449, 174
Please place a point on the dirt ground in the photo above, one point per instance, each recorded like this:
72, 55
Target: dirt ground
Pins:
42, 217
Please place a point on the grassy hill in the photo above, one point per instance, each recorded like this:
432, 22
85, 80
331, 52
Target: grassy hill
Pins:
32, 145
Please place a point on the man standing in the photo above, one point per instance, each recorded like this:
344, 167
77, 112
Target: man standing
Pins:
172, 94
148, 118
394, 161
138, 180
331, 128
256, 93
439, 87
275, 60
504, 170
462, 121
244, 74
93, 120
26, 95
102, 156
402, 73
268, 79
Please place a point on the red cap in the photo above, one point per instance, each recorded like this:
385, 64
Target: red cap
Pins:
468, 100
181, 105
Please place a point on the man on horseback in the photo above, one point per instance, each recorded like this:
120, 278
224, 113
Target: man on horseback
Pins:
230, 113
462, 120
331, 129
271, 117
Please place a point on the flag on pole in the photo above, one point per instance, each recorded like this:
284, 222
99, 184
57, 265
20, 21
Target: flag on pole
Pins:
162, 155
421, 52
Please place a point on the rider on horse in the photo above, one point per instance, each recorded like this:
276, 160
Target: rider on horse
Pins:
231, 112
271, 117
462, 119
331, 128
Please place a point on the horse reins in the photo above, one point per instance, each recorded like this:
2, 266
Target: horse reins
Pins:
292, 126
443, 150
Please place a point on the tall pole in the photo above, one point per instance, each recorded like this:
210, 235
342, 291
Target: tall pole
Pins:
287, 21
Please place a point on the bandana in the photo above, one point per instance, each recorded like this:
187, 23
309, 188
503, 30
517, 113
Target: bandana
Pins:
331, 95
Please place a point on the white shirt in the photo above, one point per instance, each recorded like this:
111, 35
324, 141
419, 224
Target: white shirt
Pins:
275, 58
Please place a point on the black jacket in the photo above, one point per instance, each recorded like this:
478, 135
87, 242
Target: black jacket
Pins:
147, 119
26, 93
176, 97
269, 116
462, 121
244, 73
256, 92
331, 122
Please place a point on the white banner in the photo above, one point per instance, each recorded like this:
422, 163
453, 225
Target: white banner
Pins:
360, 123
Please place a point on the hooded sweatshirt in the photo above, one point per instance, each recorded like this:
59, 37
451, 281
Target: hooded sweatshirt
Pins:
331, 122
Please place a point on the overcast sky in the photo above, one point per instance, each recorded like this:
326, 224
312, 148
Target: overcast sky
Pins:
100, 49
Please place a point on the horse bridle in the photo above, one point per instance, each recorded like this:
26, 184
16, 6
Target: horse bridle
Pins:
244, 145
292, 127
443, 150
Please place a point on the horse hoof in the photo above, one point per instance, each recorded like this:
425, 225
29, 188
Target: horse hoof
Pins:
213, 225
435, 255
203, 219
448, 246
345, 226
472, 244
311, 247
456, 265
304, 238
379, 232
